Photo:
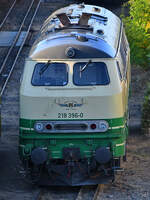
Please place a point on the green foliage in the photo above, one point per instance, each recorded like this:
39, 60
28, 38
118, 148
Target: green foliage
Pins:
137, 26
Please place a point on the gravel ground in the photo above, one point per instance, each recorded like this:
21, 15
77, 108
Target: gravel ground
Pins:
133, 183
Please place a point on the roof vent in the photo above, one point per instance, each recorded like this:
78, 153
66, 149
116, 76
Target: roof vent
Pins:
82, 38
70, 11
96, 9
100, 32
81, 5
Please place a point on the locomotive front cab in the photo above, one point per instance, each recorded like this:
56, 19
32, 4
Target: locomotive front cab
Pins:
74, 109
73, 120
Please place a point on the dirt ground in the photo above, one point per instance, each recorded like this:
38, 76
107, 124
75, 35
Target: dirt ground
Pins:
132, 184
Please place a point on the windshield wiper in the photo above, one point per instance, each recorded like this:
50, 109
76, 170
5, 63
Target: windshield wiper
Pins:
84, 67
44, 68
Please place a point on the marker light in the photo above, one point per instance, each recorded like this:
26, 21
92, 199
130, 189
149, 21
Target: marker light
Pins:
103, 126
39, 126
93, 126
48, 126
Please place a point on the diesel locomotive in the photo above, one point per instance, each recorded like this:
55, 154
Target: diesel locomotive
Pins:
74, 98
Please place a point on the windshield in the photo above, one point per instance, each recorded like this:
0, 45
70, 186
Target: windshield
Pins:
95, 73
55, 74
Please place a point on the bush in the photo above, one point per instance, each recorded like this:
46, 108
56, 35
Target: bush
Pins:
137, 26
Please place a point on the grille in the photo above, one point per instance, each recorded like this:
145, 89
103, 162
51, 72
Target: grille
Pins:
70, 127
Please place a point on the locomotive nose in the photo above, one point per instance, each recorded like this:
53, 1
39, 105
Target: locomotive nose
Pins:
38, 156
103, 155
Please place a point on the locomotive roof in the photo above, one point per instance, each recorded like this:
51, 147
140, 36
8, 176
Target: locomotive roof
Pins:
78, 31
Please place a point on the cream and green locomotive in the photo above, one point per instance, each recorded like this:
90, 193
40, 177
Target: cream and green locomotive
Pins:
74, 98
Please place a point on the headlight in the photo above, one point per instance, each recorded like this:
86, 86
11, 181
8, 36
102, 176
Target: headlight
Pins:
39, 126
103, 126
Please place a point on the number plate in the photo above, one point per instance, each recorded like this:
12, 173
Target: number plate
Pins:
70, 115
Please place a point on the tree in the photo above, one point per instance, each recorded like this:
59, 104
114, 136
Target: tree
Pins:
137, 26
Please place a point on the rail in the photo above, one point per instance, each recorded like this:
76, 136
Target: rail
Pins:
86, 189
9, 11
39, 195
13, 45
85, 192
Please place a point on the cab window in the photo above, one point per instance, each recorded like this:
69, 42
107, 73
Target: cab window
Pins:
50, 74
90, 73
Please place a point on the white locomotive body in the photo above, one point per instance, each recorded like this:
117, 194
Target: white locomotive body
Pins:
74, 94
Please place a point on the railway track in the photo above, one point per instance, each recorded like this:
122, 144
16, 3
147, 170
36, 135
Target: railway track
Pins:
95, 192
84, 193
8, 64
9, 11
10, 94
10, 106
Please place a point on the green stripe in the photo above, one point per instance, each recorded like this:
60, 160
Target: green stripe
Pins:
25, 123
71, 136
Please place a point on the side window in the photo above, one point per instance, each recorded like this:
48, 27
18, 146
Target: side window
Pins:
125, 40
123, 52
120, 71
